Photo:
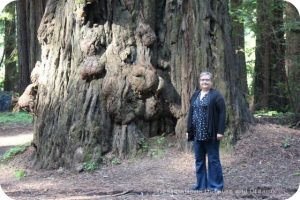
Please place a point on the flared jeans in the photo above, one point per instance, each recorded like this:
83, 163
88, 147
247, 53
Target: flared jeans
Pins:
210, 177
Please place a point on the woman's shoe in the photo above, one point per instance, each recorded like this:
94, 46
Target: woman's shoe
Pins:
196, 188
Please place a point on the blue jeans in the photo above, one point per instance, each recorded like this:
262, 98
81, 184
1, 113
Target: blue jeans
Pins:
211, 179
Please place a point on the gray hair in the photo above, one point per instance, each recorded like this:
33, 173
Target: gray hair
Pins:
206, 74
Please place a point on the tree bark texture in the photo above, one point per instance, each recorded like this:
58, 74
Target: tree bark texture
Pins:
29, 13
270, 83
11, 72
116, 72
292, 56
238, 41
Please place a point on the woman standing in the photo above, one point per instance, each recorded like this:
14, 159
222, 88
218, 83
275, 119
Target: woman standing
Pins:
206, 126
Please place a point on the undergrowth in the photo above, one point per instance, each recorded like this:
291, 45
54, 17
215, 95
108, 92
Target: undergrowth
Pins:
272, 113
18, 117
90, 166
153, 147
20, 173
9, 154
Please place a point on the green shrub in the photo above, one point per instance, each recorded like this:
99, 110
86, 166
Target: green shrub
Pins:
287, 142
90, 166
20, 174
13, 151
153, 146
296, 173
116, 161
144, 145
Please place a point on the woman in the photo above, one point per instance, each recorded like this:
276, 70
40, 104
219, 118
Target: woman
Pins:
206, 126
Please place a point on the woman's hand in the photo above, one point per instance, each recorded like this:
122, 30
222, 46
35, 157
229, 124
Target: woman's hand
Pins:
219, 136
189, 137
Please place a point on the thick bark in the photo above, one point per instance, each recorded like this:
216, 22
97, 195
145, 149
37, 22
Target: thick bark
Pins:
238, 42
116, 72
29, 13
292, 57
270, 77
11, 72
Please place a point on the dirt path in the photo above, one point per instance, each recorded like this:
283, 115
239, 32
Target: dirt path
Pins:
265, 164
14, 134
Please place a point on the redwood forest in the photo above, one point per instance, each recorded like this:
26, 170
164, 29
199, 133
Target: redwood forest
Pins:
95, 97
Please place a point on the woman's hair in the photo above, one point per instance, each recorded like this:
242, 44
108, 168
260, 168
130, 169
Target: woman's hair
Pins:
205, 74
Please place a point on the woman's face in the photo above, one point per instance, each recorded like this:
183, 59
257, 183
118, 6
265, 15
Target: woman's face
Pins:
205, 82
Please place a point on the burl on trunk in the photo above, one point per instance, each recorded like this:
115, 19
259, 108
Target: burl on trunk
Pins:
116, 72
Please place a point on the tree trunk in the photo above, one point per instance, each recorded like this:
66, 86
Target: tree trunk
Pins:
29, 13
270, 88
116, 72
292, 56
11, 72
238, 40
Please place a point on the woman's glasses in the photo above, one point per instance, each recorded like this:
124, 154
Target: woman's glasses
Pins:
206, 80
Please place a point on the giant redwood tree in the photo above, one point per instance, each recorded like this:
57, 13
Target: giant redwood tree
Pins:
116, 72
270, 83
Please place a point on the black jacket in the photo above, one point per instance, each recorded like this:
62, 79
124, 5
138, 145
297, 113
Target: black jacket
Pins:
216, 115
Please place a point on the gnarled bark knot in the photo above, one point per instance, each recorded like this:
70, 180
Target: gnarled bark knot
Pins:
26, 100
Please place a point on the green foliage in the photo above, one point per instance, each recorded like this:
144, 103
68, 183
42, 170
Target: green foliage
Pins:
19, 117
156, 152
20, 173
272, 113
154, 146
1, 82
245, 13
13, 151
287, 142
88, 156
144, 145
291, 26
116, 161
80, 1
6, 16
296, 173
90, 166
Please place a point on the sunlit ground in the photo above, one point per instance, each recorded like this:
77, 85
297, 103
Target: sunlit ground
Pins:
15, 140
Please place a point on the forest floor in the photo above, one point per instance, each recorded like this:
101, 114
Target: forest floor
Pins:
264, 164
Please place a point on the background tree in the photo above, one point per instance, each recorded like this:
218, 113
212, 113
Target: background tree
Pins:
10, 53
292, 58
238, 40
29, 14
116, 72
270, 88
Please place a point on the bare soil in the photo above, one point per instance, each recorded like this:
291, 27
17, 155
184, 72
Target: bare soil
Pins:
264, 164
12, 134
